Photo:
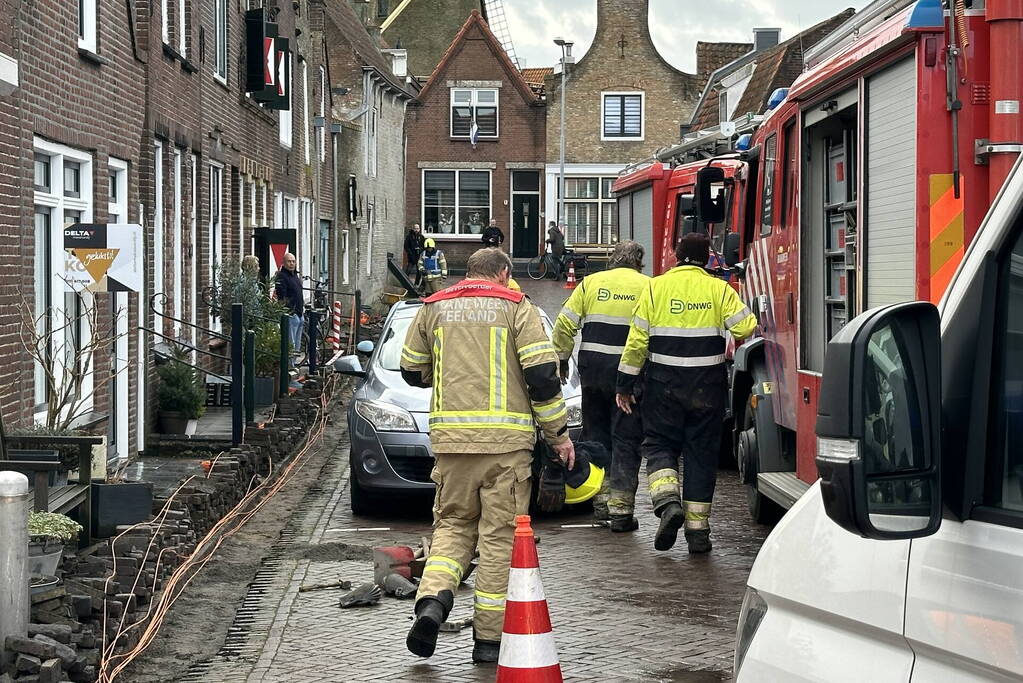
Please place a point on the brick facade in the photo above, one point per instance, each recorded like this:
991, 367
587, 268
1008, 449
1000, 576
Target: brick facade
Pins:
443, 18
475, 59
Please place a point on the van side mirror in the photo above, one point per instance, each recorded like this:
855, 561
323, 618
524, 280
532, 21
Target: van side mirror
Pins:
709, 209
349, 365
732, 242
879, 423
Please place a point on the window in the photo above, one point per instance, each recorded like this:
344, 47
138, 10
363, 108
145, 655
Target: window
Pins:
322, 130
87, 25
306, 119
324, 252
1006, 489
165, 14
456, 202
72, 179
371, 143
767, 192
42, 173
383, 8
479, 105
286, 116
220, 19
591, 215
216, 229
345, 272
790, 176
371, 221
158, 245
181, 28
117, 191
622, 115
253, 221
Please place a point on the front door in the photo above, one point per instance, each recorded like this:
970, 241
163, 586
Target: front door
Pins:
525, 195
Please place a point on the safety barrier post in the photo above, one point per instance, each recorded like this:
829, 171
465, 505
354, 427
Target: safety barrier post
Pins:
285, 345
358, 316
314, 328
14, 584
250, 375
237, 374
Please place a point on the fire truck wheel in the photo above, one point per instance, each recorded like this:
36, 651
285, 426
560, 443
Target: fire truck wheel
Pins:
762, 509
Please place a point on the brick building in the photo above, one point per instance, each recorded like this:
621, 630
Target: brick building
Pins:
423, 27
454, 187
624, 102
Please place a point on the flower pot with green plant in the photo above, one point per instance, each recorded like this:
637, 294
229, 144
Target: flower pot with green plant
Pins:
181, 397
48, 533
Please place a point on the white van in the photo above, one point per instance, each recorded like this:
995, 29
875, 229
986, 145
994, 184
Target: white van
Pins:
904, 562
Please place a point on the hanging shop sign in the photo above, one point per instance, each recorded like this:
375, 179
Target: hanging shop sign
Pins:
102, 257
271, 246
267, 62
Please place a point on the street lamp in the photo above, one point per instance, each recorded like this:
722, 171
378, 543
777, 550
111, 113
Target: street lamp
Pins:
566, 59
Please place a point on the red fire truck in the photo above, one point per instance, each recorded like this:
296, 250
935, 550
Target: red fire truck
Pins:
865, 186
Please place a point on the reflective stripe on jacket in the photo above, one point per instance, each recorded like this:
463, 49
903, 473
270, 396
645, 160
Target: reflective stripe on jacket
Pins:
679, 327
602, 305
492, 368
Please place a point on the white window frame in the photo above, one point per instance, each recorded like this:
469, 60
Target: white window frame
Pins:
242, 197
252, 204
182, 30
469, 236
215, 233
372, 123
165, 21
278, 222
322, 130
473, 105
54, 300
178, 219
87, 25
604, 205
307, 120
193, 251
371, 222
119, 207
642, 115
286, 118
221, 57
157, 279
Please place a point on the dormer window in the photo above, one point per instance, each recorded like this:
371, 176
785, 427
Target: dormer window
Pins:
474, 104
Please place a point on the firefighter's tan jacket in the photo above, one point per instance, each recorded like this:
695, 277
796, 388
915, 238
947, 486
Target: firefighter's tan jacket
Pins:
492, 368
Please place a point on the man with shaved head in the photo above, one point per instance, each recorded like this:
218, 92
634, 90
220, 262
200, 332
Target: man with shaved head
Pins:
288, 291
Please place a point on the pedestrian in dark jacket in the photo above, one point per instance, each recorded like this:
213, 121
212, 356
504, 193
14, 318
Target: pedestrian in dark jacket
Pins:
556, 240
288, 290
492, 235
413, 250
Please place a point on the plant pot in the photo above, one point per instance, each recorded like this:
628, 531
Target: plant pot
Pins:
41, 584
263, 391
176, 423
116, 504
44, 557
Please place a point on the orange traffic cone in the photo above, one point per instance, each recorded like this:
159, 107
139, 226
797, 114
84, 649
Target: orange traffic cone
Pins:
570, 282
528, 654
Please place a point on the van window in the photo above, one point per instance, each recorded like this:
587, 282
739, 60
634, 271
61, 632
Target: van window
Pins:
1008, 473
767, 196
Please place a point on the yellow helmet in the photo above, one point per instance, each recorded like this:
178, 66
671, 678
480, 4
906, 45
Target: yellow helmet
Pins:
429, 243
514, 285
589, 487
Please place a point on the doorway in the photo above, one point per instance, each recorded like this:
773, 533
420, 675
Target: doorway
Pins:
525, 199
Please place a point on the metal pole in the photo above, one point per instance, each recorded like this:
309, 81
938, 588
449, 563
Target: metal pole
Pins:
285, 377
561, 173
358, 317
237, 375
250, 375
314, 328
14, 586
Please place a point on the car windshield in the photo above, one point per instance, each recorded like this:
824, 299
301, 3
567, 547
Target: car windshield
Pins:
389, 357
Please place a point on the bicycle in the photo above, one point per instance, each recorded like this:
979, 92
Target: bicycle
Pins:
319, 306
546, 265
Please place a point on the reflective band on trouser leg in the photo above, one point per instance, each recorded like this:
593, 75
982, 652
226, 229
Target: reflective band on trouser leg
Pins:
621, 502
697, 514
490, 602
663, 486
438, 563
604, 495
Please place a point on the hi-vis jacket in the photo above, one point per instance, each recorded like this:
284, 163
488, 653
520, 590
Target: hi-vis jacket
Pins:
602, 305
679, 326
493, 370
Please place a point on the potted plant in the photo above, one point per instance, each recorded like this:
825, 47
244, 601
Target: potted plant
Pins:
48, 532
267, 370
181, 398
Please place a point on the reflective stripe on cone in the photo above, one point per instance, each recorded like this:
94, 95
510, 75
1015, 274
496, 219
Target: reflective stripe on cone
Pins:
528, 653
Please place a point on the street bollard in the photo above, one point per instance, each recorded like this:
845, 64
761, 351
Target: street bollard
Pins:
285, 368
314, 328
237, 377
250, 375
14, 579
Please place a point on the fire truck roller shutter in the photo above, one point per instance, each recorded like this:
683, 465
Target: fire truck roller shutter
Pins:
890, 234
643, 225
625, 217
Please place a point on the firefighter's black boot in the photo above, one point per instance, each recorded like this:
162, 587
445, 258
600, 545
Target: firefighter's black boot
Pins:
485, 651
623, 523
672, 519
422, 637
698, 540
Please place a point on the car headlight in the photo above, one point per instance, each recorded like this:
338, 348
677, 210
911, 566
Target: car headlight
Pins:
750, 615
575, 411
385, 417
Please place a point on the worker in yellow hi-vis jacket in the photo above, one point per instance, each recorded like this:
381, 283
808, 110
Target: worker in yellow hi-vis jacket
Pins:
678, 333
494, 374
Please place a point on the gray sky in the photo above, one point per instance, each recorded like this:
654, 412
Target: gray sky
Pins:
535, 23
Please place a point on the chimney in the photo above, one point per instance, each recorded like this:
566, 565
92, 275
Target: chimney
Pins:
399, 61
765, 38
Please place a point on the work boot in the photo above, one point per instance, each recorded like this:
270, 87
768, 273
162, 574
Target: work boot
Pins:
422, 637
600, 513
698, 540
623, 523
672, 519
485, 651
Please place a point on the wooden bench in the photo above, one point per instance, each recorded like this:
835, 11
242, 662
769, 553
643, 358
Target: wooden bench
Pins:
62, 499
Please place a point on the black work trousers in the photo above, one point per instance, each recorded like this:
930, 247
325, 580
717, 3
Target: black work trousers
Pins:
682, 420
622, 435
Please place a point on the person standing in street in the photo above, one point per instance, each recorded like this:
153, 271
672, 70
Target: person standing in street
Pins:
492, 235
288, 290
413, 250
602, 307
677, 338
433, 267
556, 241
494, 375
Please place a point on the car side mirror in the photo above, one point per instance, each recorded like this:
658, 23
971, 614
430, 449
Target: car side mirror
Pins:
879, 423
709, 209
733, 240
349, 365
365, 347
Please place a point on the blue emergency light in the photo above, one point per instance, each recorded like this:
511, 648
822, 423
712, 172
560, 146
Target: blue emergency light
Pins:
927, 14
777, 97
743, 143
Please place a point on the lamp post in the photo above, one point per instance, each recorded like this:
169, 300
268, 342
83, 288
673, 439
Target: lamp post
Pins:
566, 59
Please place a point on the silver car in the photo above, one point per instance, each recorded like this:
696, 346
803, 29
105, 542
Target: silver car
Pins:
388, 420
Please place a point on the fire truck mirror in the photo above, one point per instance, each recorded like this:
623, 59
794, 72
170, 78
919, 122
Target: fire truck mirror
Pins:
732, 243
709, 207
879, 423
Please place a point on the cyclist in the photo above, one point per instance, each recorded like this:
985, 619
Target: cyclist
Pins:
556, 241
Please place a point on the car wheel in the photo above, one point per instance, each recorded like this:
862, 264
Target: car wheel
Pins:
361, 499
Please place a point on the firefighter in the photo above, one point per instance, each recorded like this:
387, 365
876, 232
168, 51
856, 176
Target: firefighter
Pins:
433, 267
602, 306
678, 334
494, 374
